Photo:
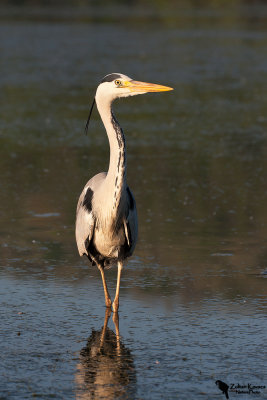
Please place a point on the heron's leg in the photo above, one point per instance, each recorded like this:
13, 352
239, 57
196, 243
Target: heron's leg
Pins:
116, 300
107, 296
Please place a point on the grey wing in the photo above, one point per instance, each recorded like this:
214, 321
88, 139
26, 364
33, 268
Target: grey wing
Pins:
131, 222
85, 219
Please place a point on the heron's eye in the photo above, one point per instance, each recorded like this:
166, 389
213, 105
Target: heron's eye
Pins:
118, 82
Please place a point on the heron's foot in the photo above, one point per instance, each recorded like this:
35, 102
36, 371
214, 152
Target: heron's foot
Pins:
108, 302
115, 305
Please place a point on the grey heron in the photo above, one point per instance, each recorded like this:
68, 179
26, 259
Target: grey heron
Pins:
106, 217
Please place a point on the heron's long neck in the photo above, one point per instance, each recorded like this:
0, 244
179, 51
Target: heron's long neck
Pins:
116, 177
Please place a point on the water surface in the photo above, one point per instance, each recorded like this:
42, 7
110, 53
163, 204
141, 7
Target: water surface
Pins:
193, 297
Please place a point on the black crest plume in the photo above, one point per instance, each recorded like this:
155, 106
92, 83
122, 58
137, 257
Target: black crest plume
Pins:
88, 120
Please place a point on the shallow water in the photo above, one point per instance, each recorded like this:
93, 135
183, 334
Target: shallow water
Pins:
193, 296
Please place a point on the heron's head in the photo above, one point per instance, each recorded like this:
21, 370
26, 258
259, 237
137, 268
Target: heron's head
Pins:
114, 86
117, 85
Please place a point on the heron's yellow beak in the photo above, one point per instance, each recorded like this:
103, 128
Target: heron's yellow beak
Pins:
144, 87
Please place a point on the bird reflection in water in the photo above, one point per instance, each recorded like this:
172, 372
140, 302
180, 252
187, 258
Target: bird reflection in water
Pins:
106, 368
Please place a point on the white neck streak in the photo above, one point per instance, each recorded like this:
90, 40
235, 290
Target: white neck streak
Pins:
115, 181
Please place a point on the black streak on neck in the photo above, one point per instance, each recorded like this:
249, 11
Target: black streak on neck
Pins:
121, 164
119, 132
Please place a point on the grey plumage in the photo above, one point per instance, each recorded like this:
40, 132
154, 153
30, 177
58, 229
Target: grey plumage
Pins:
106, 217
120, 231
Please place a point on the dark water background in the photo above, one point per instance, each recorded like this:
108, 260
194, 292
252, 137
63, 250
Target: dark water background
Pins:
193, 297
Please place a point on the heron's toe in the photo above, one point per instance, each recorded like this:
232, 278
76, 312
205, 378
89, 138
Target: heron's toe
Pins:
108, 303
115, 305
